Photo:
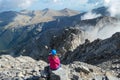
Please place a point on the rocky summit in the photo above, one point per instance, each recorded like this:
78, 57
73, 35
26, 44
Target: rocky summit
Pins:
25, 68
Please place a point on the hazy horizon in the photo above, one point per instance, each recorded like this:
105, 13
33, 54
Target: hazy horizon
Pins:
79, 5
41, 10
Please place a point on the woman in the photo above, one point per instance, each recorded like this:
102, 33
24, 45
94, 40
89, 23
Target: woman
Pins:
54, 60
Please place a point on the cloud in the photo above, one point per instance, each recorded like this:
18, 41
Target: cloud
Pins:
68, 2
92, 33
15, 4
81, 5
26, 3
108, 31
90, 15
55, 1
113, 7
107, 1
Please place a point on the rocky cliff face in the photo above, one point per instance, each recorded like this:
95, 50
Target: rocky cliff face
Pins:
103, 53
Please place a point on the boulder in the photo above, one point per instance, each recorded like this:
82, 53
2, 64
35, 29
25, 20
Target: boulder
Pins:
110, 76
60, 74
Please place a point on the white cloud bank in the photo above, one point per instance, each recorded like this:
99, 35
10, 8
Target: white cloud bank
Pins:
15, 4
93, 33
113, 9
113, 6
90, 15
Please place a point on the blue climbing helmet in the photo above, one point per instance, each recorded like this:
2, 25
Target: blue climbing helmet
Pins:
54, 52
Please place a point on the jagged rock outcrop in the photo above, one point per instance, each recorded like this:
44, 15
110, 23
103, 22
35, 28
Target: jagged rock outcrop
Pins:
63, 40
103, 53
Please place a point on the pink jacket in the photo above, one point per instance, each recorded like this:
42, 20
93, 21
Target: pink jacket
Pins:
54, 62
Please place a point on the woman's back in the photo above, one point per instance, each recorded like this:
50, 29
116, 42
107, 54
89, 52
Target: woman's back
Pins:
54, 61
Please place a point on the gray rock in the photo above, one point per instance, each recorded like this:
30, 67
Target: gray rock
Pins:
110, 76
17, 78
60, 74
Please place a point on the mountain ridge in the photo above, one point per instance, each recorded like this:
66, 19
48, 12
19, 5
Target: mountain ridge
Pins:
31, 16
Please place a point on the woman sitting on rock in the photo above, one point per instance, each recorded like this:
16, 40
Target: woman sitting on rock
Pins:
54, 64
54, 60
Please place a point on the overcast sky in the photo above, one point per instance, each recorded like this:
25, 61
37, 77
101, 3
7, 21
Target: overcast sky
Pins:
81, 5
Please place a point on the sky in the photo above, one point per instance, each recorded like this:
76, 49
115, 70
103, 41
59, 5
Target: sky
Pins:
81, 5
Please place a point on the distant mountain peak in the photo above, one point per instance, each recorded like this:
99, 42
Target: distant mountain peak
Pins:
47, 9
66, 9
26, 11
69, 11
